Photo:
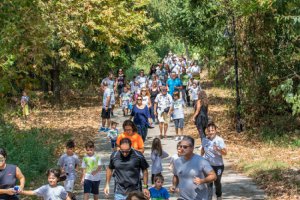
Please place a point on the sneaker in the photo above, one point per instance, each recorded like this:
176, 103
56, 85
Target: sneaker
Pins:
151, 126
102, 129
106, 129
181, 138
177, 138
112, 113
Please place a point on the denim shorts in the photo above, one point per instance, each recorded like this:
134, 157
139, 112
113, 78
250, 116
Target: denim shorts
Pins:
120, 196
179, 123
113, 143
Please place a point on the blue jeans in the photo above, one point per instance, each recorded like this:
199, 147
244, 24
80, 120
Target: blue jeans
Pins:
151, 110
142, 131
120, 196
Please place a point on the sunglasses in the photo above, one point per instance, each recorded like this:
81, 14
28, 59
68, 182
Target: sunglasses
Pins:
139, 99
124, 151
183, 146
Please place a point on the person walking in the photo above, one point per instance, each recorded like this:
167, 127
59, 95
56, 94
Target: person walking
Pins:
174, 84
213, 149
130, 132
163, 102
192, 173
126, 164
200, 117
141, 115
9, 174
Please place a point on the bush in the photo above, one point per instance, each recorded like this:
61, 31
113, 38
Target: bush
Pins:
28, 150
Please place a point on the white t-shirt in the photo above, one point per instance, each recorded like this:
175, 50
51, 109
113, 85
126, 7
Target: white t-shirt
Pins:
142, 81
163, 101
145, 100
69, 163
194, 93
51, 193
213, 157
90, 164
178, 112
106, 94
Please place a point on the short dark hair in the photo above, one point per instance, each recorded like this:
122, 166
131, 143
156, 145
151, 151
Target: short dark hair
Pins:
176, 94
189, 139
212, 124
70, 144
56, 173
89, 144
138, 195
3, 153
125, 141
159, 177
130, 123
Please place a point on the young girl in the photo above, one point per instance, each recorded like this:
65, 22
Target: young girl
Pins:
178, 114
194, 90
158, 191
113, 135
125, 99
175, 156
51, 190
213, 149
157, 153
24, 105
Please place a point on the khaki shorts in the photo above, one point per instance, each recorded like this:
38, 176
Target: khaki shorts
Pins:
163, 117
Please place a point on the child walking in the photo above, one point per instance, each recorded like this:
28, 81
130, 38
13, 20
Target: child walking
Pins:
213, 149
125, 98
178, 114
24, 105
113, 135
68, 164
194, 90
51, 190
157, 154
91, 165
158, 192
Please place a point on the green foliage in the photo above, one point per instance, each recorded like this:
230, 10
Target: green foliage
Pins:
146, 58
31, 150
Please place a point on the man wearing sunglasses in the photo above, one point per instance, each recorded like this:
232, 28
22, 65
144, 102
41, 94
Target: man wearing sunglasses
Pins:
192, 173
126, 165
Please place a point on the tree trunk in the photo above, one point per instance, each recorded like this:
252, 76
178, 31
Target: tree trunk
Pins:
187, 53
55, 86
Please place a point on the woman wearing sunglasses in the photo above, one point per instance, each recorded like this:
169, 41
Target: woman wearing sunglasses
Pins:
140, 113
9, 174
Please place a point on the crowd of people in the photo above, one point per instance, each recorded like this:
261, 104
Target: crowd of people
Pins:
148, 101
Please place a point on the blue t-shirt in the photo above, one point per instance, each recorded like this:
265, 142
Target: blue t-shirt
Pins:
140, 115
160, 194
172, 83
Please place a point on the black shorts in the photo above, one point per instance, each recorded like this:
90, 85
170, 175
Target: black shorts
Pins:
91, 186
105, 113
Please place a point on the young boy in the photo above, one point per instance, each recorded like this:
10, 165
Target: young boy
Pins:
213, 149
113, 135
68, 164
24, 105
125, 100
91, 165
106, 107
178, 114
158, 191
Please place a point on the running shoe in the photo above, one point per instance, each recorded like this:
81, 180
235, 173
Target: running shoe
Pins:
106, 130
177, 138
102, 129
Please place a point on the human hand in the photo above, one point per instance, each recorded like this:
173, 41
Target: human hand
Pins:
10, 191
146, 193
82, 181
94, 172
106, 190
155, 113
172, 189
193, 119
198, 180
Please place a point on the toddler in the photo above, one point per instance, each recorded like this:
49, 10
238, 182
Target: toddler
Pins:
113, 135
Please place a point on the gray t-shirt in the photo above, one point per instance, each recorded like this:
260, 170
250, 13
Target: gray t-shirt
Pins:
69, 163
178, 109
213, 157
187, 170
51, 193
157, 161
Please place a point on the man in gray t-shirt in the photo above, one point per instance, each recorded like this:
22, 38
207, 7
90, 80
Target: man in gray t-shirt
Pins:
191, 173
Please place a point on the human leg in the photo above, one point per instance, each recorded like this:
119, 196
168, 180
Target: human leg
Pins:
219, 171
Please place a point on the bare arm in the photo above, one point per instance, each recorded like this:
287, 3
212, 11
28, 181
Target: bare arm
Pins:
198, 105
211, 176
83, 175
28, 192
8, 191
21, 178
145, 181
202, 151
155, 108
107, 181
